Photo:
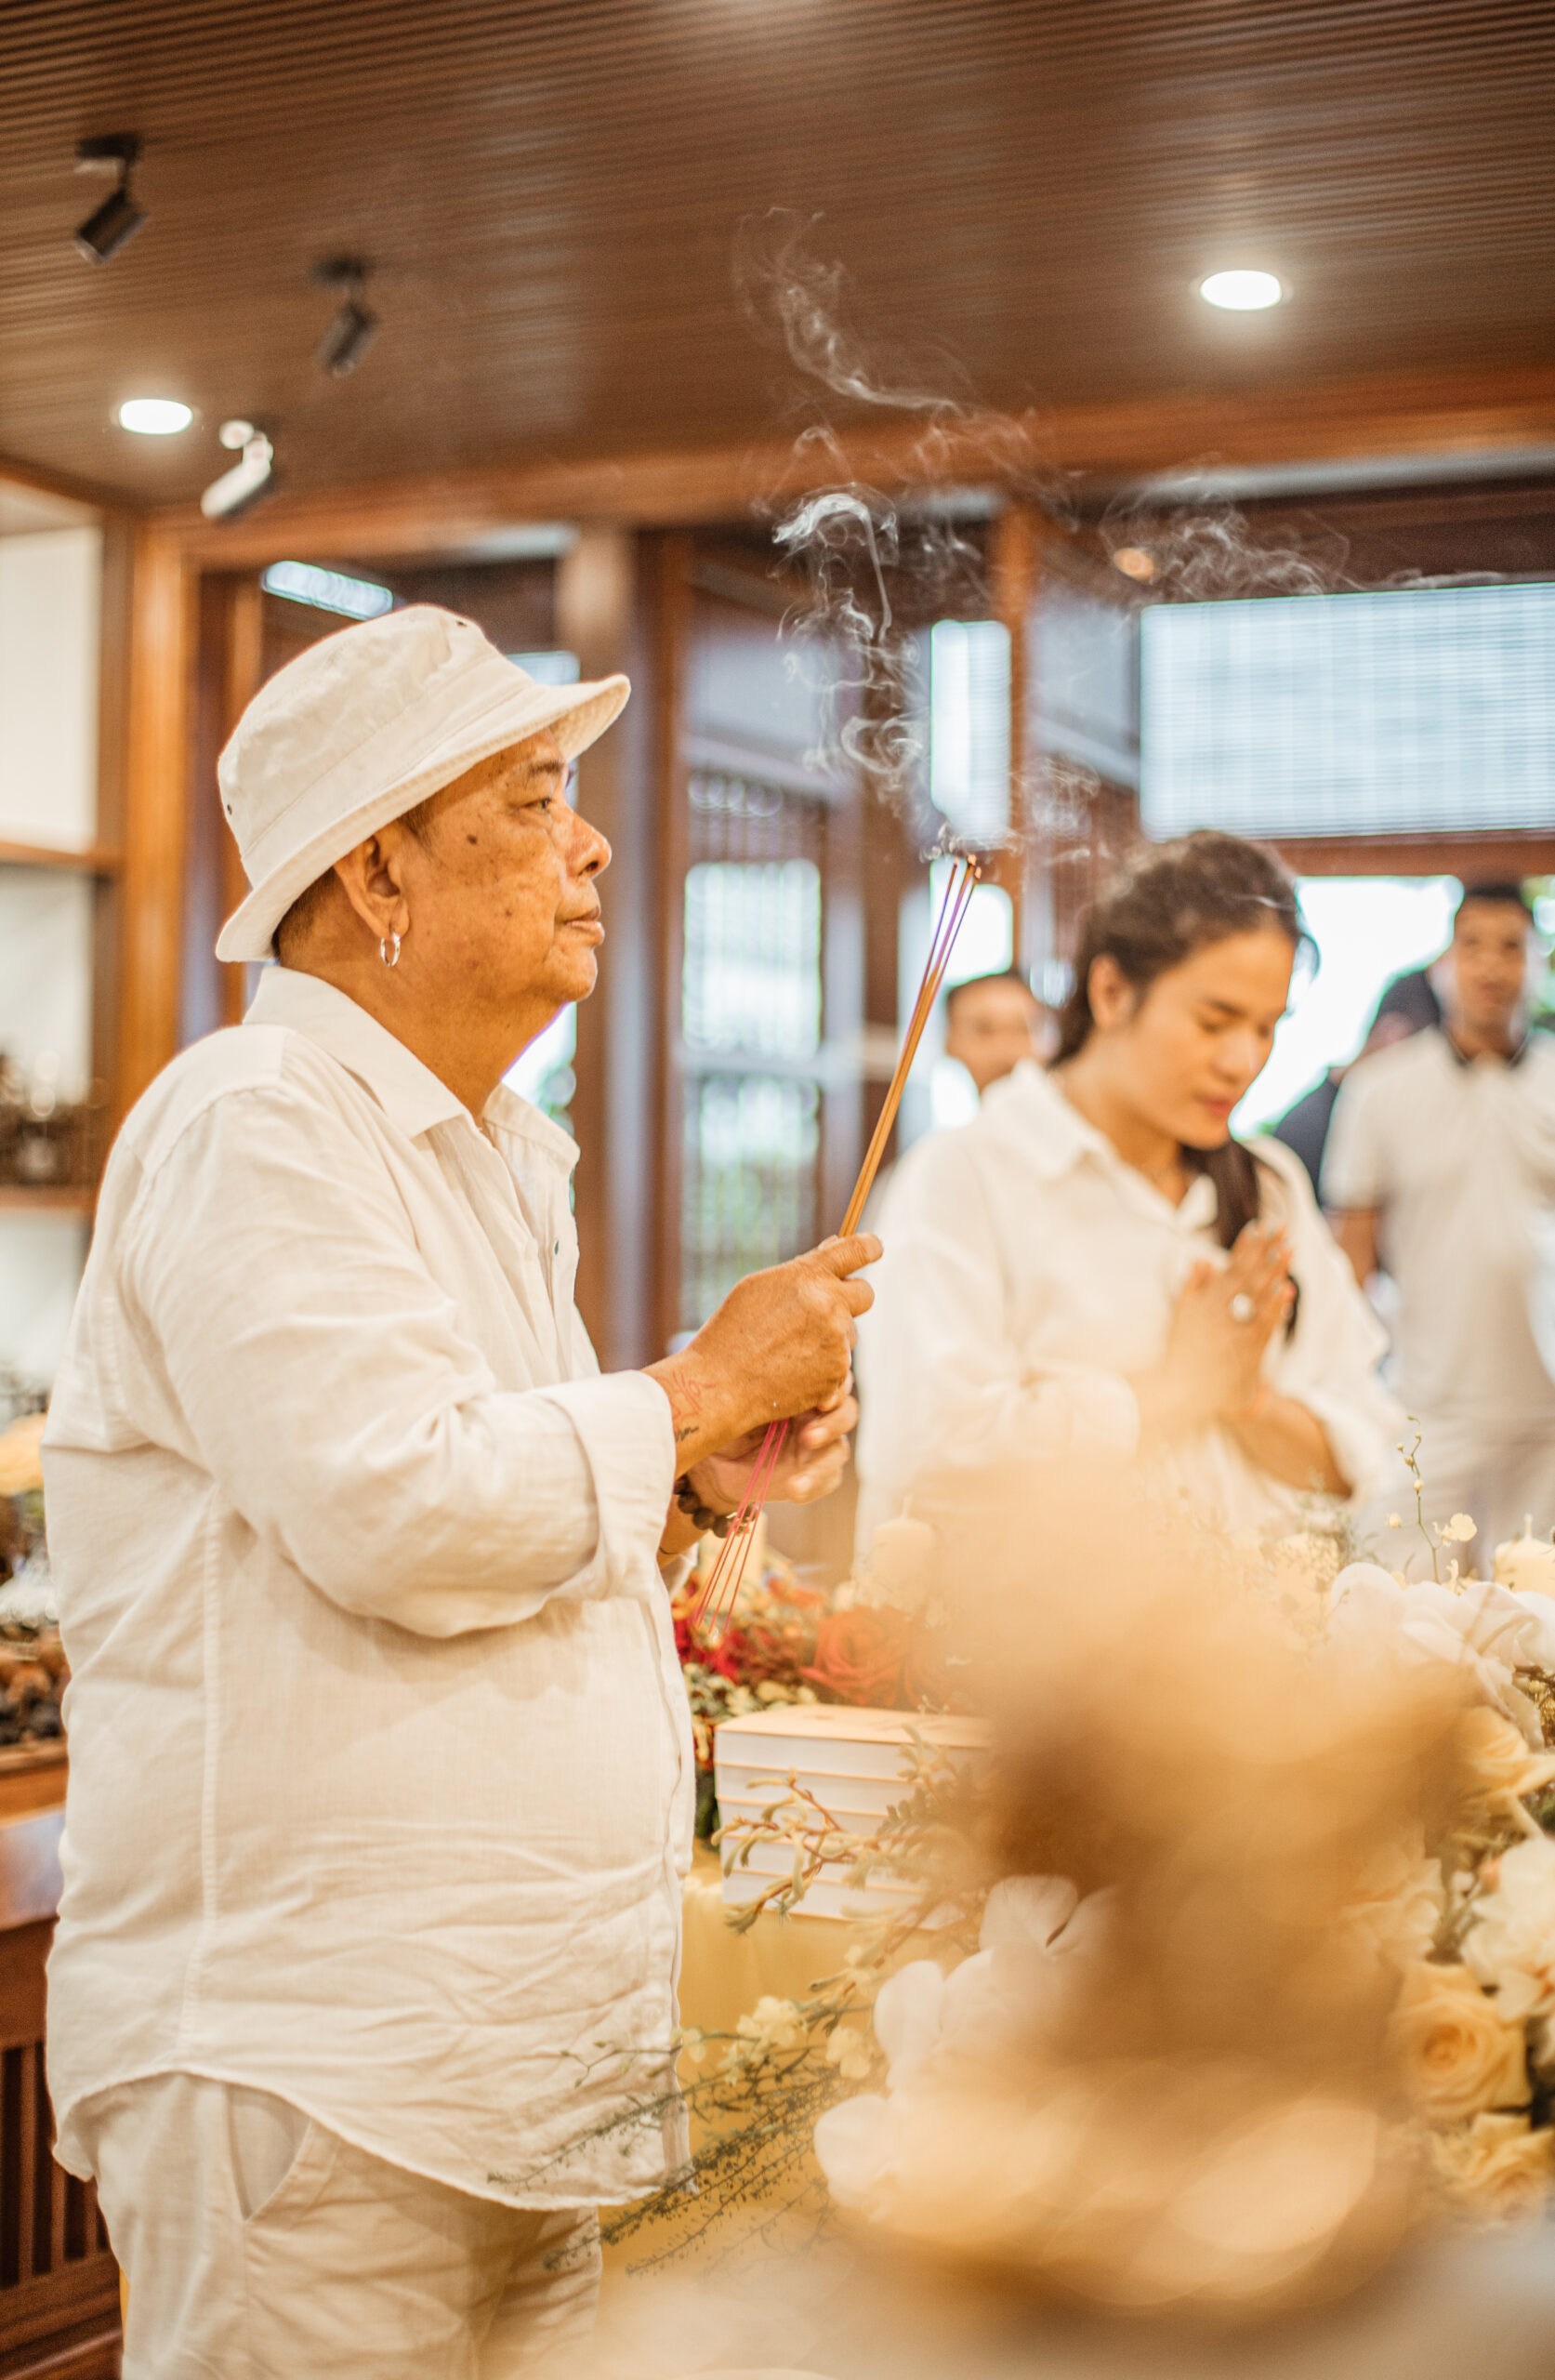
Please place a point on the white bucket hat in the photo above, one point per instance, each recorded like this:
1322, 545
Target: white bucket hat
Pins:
357, 730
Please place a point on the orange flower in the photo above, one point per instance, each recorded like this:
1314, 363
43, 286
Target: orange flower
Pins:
858, 1655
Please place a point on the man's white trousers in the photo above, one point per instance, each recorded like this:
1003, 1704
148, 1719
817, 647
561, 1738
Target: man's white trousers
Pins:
259, 2246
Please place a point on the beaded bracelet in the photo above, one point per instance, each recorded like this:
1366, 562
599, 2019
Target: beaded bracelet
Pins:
695, 1510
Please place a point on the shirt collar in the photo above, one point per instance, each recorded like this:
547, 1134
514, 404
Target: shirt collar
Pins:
410, 1093
1030, 1112
1462, 1057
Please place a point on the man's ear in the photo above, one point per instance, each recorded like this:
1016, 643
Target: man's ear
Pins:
370, 874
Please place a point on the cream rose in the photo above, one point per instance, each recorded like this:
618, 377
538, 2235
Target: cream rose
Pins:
1512, 1943
1497, 2168
1458, 2053
1398, 1903
1501, 1768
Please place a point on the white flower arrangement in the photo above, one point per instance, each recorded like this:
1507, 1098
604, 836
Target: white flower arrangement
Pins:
1467, 1925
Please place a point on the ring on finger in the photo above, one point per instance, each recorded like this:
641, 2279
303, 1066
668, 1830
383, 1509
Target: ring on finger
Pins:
1241, 1308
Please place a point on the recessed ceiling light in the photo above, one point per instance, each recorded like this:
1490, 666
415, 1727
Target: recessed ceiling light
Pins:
1242, 292
154, 417
1135, 562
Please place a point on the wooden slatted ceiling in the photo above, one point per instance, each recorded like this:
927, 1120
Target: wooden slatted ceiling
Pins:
551, 191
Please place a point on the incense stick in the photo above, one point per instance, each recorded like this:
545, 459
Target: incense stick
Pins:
953, 909
727, 1575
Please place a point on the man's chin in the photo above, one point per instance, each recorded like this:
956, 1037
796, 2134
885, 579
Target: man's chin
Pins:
580, 974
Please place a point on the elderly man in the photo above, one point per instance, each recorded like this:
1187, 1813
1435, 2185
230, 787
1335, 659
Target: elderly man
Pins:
364, 1991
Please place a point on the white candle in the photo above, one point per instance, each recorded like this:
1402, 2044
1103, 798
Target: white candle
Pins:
1527, 1563
902, 1561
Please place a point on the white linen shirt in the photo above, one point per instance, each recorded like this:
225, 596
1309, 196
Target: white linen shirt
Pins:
381, 1780
1457, 1155
1028, 1271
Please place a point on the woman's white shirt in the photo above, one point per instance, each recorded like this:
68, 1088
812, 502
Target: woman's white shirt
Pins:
1029, 1271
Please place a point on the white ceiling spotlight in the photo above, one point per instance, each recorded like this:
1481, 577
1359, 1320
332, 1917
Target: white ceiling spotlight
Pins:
154, 417
1242, 292
248, 477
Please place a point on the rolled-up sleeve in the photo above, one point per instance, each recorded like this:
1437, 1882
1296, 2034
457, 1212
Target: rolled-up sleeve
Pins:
280, 1315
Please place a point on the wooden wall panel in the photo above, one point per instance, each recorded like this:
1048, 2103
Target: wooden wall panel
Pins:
158, 759
601, 595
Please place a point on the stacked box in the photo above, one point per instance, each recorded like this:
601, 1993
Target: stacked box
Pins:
853, 1761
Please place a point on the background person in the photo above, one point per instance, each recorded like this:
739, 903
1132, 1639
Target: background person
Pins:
992, 1022
1304, 1127
381, 1779
1440, 1165
1094, 1263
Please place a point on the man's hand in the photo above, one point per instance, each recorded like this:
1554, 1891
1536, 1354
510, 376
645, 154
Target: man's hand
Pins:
813, 1460
781, 1345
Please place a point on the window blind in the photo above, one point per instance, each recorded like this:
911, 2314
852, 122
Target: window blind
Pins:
1407, 711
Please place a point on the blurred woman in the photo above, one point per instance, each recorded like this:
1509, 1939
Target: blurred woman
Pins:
1095, 1265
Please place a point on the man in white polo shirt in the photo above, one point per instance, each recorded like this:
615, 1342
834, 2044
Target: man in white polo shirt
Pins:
1440, 1165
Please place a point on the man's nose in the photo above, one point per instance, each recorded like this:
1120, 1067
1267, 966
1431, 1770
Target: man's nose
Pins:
591, 852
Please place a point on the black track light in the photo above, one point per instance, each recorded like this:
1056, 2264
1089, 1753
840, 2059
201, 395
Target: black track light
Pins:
353, 328
118, 219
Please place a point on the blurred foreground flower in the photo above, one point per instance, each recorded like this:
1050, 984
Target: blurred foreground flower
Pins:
1512, 1943
860, 1655
1499, 2170
1165, 2078
1458, 2054
21, 1456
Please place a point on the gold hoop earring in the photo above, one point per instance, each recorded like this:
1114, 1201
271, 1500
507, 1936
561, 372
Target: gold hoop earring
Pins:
389, 958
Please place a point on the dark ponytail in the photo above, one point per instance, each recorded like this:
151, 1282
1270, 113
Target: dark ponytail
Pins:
1171, 900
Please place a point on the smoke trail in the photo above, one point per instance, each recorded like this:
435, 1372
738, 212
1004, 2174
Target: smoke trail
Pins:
782, 286
853, 543
879, 568
1206, 553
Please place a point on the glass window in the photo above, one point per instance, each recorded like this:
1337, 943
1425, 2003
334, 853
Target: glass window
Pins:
747, 1189
1410, 711
544, 1073
752, 962
969, 727
1368, 928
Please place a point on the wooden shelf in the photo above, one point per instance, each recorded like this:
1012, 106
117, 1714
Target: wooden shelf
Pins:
47, 1197
96, 860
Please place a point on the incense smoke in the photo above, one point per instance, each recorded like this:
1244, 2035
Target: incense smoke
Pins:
878, 568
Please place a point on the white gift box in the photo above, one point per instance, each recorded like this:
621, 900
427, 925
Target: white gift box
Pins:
853, 1762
